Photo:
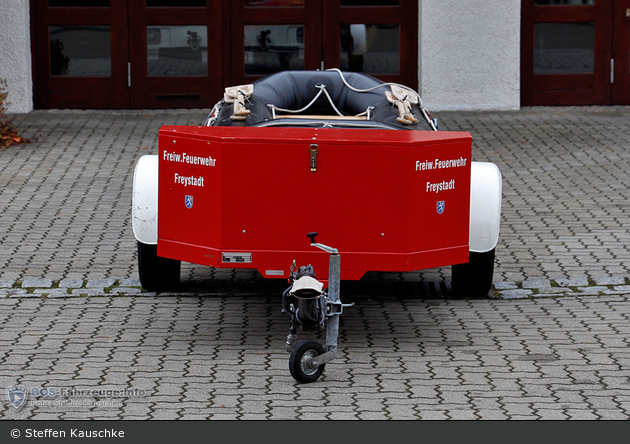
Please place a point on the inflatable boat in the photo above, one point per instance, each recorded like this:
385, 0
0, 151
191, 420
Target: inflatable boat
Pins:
322, 99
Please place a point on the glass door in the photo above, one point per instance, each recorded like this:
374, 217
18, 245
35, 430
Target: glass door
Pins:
566, 54
80, 54
124, 53
376, 37
268, 36
176, 53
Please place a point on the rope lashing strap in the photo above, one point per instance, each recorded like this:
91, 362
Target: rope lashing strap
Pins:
405, 116
414, 94
382, 85
238, 95
322, 90
403, 100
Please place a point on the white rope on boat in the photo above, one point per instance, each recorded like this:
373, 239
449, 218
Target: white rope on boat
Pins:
322, 89
390, 84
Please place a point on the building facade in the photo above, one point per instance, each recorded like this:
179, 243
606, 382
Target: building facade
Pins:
460, 55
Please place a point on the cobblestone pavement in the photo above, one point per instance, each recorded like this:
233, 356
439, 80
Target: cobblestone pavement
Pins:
550, 343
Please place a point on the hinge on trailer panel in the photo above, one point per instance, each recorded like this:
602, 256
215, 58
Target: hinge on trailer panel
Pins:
128, 74
612, 71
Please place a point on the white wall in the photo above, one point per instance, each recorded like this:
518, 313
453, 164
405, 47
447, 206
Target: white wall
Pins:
469, 54
15, 54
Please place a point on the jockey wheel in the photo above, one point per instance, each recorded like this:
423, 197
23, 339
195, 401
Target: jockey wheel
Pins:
311, 307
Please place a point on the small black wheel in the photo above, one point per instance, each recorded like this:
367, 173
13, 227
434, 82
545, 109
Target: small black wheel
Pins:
157, 273
299, 360
474, 279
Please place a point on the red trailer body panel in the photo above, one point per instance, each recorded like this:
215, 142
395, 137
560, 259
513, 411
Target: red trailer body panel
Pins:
246, 197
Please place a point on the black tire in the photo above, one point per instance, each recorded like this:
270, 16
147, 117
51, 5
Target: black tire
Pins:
157, 273
297, 362
474, 279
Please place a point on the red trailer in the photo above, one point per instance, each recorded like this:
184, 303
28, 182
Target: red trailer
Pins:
385, 189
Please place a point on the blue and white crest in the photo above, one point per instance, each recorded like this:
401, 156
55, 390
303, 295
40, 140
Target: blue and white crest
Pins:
189, 202
17, 396
440, 207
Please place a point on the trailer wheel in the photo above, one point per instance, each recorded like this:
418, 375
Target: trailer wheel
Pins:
157, 273
474, 279
298, 362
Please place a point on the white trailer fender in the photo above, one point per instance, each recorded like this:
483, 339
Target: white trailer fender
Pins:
485, 206
145, 200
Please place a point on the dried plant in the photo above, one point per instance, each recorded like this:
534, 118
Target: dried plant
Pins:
8, 132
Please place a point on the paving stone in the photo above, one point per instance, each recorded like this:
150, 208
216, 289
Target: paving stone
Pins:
620, 289
130, 283
592, 289
518, 293
37, 283
6, 283
572, 282
88, 292
610, 280
505, 285
126, 290
51, 292
538, 283
100, 283
22, 293
71, 283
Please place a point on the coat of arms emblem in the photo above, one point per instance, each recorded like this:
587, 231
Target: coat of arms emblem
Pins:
440, 207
